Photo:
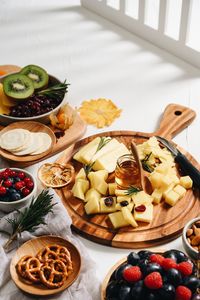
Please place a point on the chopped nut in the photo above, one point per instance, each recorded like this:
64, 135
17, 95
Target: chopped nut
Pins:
196, 248
196, 241
196, 230
197, 224
189, 232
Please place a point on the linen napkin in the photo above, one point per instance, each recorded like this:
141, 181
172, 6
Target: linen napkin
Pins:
86, 286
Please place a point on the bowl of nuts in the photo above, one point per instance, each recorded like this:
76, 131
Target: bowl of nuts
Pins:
191, 238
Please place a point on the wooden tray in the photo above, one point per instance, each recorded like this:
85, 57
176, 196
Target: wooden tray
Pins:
74, 133
168, 221
32, 247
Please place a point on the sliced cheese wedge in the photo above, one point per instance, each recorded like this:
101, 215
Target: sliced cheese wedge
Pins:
78, 155
108, 161
111, 145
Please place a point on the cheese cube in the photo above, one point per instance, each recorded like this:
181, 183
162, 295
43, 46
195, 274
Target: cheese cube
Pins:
146, 216
180, 190
166, 190
91, 194
92, 206
80, 187
117, 219
163, 168
111, 188
157, 196
142, 198
129, 217
175, 179
165, 181
81, 174
186, 182
105, 208
172, 198
155, 179
97, 180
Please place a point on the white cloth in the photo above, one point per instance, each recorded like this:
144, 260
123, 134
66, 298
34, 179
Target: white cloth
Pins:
86, 287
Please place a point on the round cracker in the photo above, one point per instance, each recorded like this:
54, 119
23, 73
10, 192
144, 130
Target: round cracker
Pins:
35, 143
14, 139
46, 139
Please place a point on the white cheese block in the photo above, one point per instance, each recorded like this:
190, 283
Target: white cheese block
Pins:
92, 206
142, 198
77, 156
108, 161
129, 217
111, 145
146, 216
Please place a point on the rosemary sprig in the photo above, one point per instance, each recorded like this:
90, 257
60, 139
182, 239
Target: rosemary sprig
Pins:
132, 190
146, 166
88, 168
31, 217
103, 141
55, 91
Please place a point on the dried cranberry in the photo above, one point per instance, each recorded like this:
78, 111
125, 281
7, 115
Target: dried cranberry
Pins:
140, 208
108, 201
124, 203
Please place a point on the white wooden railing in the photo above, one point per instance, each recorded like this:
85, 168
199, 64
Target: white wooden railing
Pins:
158, 36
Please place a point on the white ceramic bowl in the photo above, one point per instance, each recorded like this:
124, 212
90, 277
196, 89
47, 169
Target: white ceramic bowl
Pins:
44, 118
188, 248
10, 206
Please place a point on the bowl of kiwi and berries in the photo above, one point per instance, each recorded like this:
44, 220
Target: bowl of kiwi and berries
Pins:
30, 95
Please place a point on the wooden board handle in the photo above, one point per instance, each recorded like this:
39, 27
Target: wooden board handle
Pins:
174, 119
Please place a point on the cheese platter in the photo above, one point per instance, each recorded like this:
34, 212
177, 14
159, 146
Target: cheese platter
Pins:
162, 221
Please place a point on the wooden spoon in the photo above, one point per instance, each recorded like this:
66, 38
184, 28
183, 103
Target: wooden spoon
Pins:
144, 180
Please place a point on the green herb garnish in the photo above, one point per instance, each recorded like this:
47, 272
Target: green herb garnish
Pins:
55, 91
88, 168
145, 164
31, 217
132, 190
103, 141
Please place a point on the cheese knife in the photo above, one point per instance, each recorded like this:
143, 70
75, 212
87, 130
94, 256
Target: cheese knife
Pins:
186, 167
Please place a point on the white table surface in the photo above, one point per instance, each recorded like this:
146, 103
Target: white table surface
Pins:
100, 59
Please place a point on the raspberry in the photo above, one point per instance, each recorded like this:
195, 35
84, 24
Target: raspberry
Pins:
183, 293
168, 263
132, 274
185, 268
156, 258
153, 281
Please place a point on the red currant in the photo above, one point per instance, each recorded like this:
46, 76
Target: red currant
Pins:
8, 170
25, 192
7, 183
13, 173
5, 174
19, 185
30, 185
27, 179
2, 190
21, 175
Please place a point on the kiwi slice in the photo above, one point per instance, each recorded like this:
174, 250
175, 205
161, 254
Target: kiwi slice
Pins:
38, 75
18, 86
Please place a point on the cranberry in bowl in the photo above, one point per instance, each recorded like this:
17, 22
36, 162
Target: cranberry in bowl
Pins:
17, 188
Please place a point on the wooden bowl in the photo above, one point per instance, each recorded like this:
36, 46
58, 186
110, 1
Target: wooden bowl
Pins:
33, 127
32, 247
108, 275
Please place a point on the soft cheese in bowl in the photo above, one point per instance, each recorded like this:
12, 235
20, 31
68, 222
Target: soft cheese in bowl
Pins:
17, 188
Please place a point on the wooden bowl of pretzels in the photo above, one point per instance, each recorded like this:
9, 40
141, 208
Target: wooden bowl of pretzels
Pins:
45, 265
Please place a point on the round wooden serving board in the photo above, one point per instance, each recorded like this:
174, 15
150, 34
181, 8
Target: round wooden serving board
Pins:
167, 223
32, 247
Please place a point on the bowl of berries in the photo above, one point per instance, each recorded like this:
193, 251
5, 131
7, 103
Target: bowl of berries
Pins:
17, 188
30, 95
152, 276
